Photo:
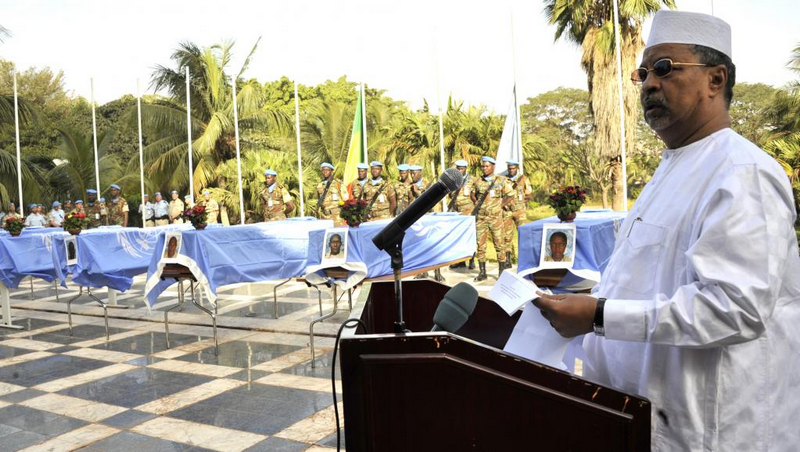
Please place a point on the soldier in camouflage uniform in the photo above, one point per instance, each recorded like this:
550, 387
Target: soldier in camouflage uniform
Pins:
118, 208
96, 211
461, 202
358, 184
402, 189
212, 208
328, 200
275, 198
514, 214
380, 193
496, 193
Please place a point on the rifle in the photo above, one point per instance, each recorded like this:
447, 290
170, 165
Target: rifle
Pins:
322, 196
375, 197
483, 198
452, 206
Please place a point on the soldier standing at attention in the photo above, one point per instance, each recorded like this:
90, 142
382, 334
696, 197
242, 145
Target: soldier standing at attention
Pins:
402, 189
161, 210
417, 185
175, 208
148, 211
461, 202
67, 207
95, 211
212, 207
379, 194
118, 210
275, 198
79, 209
35, 218
491, 193
358, 185
329, 193
514, 214
56, 216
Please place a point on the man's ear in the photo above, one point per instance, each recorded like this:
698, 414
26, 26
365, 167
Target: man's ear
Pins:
717, 79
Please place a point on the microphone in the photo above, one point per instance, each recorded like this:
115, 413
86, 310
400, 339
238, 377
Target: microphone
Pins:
451, 180
455, 308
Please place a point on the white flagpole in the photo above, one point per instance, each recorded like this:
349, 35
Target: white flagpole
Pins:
238, 155
621, 109
364, 121
516, 102
94, 139
141, 148
299, 155
441, 121
189, 133
19, 158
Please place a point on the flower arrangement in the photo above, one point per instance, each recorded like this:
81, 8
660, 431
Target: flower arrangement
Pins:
353, 212
197, 215
75, 222
566, 201
14, 225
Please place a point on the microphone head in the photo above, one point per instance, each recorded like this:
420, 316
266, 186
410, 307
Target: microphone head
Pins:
452, 179
456, 307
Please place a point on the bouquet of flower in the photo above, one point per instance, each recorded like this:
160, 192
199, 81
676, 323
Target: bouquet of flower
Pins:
353, 212
196, 215
75, 222
568, 200
14, 225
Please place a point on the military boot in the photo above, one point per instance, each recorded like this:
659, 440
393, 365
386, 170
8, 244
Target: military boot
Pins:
472, 263
508, 259
482, 275
500, 267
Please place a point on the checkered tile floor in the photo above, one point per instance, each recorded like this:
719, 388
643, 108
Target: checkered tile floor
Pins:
79, 391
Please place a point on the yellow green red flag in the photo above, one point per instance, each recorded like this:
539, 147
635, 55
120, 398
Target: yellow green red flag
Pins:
358, 150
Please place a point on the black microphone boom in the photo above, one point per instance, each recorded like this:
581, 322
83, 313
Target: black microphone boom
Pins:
450, 181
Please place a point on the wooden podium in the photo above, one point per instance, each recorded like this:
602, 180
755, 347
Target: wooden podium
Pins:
442, 392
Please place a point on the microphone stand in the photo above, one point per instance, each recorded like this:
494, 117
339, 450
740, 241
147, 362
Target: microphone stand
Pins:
395, 250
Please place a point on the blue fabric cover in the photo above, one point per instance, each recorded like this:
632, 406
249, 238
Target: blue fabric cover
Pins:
27, 255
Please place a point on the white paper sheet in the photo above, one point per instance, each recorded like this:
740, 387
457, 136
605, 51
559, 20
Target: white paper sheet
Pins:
512, 291
533, 338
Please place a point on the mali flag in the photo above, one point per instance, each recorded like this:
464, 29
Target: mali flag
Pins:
358, 146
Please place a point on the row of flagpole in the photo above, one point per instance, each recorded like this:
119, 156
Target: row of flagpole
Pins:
516, 134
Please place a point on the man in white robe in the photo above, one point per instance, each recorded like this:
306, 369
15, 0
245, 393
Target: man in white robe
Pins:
699, 307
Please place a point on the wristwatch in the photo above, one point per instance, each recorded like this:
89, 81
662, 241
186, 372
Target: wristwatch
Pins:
599, 327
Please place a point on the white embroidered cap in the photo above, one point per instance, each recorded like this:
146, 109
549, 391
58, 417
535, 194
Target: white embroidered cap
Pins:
681, 27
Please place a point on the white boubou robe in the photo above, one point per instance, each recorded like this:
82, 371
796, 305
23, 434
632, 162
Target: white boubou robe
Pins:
703, 310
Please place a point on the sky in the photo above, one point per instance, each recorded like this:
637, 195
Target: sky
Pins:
399, 46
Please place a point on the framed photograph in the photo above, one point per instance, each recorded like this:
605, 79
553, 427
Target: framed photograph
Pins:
558, 245
172, 245
334, 248
71, 250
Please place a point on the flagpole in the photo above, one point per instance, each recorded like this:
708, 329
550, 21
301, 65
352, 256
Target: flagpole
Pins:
441, 121
19, 158
621, 109
299, 154
516, 102
189, 133
141, 148
238, 155
94, 139
364, 121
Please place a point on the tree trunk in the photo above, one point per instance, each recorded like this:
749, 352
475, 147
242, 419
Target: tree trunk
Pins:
618, 201
604, 188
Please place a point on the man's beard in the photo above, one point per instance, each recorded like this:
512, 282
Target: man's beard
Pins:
656, 111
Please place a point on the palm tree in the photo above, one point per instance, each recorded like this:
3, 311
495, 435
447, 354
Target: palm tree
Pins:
590, 24
212, 116
74, 172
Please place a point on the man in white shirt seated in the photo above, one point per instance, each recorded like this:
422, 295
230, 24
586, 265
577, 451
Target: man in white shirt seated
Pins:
699, 307
56, 215
35, 218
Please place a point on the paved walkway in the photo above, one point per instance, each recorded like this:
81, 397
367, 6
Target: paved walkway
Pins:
81, 392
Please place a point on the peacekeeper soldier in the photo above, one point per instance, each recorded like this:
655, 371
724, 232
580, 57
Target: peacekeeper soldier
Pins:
118, 210
402, 189
161, 210
67, 207
358, 184
12, 213
515, 213
35, 218
148, 211
79, 208
461, 202
379, 194
56, 216
175, 208
212, 207
275, 198
330, 192
491, 193
95, 211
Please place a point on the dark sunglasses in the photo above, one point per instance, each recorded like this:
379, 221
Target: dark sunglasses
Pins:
661, 68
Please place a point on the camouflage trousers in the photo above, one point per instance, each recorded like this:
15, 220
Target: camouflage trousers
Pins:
332, 214
491, 225
512, 220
